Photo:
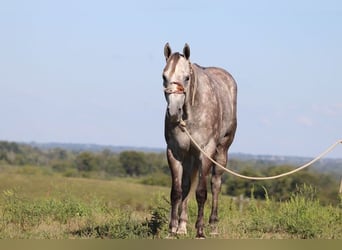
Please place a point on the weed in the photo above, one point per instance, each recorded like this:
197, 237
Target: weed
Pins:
302, 215
122, 225
158, 222
26, 214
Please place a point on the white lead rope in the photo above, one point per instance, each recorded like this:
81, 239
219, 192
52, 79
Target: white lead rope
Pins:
183, 127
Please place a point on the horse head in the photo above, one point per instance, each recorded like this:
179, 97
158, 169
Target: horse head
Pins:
177, 76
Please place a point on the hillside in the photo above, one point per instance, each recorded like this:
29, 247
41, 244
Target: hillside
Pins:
153, 168
325, 165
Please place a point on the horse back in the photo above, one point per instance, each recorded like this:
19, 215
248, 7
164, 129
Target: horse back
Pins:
224, 88
223, 85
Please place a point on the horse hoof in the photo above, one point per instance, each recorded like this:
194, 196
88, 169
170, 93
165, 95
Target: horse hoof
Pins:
200, 236
181, 231
170, 236
214, 232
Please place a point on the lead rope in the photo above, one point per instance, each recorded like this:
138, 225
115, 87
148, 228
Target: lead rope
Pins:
182, 124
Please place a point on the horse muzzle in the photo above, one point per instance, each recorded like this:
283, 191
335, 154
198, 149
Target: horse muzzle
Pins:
175, 116
175, 103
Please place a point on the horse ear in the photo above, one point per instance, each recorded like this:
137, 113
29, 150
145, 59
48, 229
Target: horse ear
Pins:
167, 51
186, 51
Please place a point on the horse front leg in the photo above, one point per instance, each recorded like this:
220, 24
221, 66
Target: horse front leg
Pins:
216, 182
176, 190
201, 192
188, 176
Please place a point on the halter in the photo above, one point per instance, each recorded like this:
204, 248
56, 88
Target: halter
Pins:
178, 88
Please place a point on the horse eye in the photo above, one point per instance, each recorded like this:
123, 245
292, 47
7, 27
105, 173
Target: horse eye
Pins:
164, 78
187, 78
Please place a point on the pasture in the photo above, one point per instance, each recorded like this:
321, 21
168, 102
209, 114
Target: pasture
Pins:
40, 204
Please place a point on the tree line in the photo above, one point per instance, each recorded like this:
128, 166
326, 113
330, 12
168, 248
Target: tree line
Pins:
153, 169
124, 164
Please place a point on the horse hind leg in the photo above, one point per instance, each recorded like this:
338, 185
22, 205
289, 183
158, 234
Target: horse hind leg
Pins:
201, 197
216, 182
201, 191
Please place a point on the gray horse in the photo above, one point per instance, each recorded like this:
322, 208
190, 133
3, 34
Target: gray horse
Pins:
205, 99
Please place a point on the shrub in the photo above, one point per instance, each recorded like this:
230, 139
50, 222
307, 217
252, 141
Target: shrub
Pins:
158, 221
30, 213
304, 216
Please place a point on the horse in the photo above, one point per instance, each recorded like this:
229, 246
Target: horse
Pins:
205, 100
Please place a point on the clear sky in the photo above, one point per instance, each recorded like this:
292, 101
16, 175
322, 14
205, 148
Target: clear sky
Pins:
90, 71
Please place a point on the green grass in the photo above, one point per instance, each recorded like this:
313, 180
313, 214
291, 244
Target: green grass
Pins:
115, 192
37, 204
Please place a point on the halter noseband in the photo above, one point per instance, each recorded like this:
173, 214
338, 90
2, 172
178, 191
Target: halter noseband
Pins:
175, 88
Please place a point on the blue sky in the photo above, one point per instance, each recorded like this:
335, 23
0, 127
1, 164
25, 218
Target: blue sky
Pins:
90, 71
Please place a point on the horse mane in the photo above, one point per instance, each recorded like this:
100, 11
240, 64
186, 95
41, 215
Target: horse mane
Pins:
193, 84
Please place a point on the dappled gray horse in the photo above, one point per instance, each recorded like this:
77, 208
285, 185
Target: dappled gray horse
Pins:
205, 99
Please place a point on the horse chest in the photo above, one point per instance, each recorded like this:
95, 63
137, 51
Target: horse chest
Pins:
178, 139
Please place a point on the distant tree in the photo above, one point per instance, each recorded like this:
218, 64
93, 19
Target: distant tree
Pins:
281, 189
236, 186
58, 154
86, 161
157, 163
134, 163
110, 163
9, 147
61, 165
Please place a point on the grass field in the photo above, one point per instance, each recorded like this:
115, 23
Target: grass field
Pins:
37, 204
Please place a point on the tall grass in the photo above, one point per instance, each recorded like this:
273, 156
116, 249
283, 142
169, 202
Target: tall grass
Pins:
44, 206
